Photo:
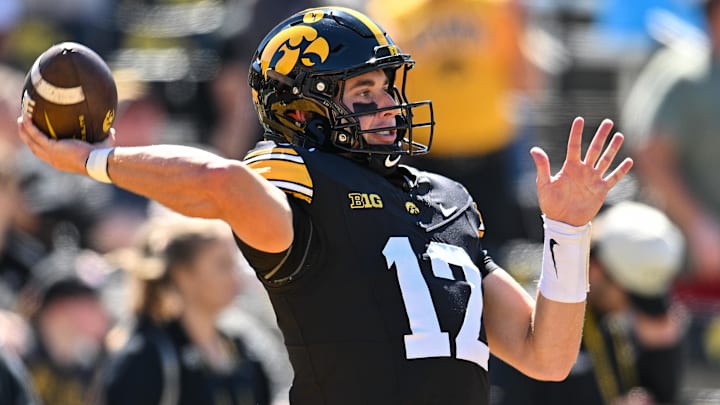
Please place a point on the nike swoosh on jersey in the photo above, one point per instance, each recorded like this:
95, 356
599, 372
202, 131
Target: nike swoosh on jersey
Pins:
284, 168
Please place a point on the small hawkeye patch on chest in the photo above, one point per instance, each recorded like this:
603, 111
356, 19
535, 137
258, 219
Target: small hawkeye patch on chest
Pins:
411, 208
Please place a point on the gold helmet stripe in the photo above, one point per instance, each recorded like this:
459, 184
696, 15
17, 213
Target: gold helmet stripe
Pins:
372, 26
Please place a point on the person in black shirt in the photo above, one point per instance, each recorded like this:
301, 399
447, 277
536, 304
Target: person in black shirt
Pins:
68, 321
376, 271
176, 354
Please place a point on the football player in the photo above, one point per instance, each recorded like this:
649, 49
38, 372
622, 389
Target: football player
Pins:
376, 270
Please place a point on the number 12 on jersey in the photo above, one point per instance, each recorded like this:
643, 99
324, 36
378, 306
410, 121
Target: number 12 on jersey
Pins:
426, 339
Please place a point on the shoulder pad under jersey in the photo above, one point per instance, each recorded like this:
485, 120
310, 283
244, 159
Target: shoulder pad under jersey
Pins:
284, 167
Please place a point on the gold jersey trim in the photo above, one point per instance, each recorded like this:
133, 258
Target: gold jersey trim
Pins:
285, 168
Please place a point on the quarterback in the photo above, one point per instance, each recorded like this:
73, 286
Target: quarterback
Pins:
376, 270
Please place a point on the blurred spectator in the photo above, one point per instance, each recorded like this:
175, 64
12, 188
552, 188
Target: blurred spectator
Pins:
10, 15
631, 348
16, 258
142, 119
186, 274
69, 324
42, 23
675, 119
15, 334
14, 263
193, 53
141, 115
237, 130
672, 113
69, 210
11, 85
58, 210
474, 49
17, 252
174, 46
15, 387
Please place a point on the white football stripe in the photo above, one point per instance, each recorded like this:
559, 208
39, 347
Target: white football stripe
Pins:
286, 185
52, 93
275, 156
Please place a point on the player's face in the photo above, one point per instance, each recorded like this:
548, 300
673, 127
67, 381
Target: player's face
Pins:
366, 92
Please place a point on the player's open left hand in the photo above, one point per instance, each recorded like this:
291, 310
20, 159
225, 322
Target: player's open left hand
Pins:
575, 194
67, 155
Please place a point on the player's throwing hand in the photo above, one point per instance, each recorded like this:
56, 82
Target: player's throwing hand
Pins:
65, 154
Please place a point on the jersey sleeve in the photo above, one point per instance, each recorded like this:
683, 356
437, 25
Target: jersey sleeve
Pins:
283, 167
279, 269
486, 264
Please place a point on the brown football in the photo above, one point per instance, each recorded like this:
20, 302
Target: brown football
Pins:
70, 92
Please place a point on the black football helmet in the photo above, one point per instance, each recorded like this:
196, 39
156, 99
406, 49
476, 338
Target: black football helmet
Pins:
302, 65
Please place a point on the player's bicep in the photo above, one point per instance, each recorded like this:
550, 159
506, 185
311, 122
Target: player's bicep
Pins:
265, 221
257, 211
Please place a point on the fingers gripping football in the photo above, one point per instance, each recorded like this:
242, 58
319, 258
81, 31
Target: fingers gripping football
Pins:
67, 154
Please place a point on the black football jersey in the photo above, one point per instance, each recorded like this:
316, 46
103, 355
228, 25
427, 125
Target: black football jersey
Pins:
381, 302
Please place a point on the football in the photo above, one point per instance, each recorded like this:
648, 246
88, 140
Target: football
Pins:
70, 92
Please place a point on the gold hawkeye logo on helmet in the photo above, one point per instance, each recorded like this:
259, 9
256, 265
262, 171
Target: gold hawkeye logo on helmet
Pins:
299, 43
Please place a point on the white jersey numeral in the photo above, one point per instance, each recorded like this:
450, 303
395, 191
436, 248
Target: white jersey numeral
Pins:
427, 339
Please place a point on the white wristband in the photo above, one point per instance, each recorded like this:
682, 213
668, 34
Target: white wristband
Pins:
97, 164
566, 253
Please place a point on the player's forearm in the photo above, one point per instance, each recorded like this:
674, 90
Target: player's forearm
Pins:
539, 337
176, 176
554, 338
198, 183
556, 328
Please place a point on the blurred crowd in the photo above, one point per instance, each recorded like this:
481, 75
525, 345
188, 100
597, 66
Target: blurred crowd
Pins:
96, 283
